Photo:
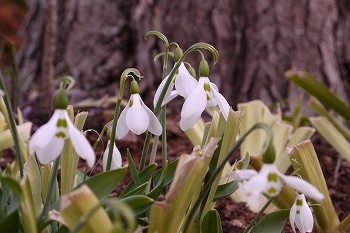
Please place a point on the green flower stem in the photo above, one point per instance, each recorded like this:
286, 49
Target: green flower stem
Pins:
199, 45
164, 140
53, 176
208, 185
13, 128
123, 77
252, 223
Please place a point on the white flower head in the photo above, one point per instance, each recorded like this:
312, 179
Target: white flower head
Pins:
137, 117
47, 142
300, 215
116, 157
269, 181
205, 94
183, 82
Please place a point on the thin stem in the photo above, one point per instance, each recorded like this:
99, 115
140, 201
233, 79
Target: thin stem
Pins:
164, 138
13, 127
252, 223
212, 178
53, 176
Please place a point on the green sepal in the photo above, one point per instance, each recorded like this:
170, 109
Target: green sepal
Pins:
203, 69
134, 87
61, 99
178, 54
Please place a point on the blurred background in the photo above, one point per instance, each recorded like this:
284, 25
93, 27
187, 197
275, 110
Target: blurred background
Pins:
94, 41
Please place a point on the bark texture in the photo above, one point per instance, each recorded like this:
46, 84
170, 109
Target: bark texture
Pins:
257, 40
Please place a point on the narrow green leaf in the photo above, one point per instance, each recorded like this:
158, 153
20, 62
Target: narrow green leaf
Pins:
133, 170
225, 190
154, 194
137, 191
315, 88
211, 222
272, 223
169, 173
144, 175
139, 203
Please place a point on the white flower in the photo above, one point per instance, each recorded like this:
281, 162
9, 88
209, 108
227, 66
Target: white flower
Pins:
137, 117
269, 181
205, 94
2, 93
48, 140
300, 214
184, 83
116, 157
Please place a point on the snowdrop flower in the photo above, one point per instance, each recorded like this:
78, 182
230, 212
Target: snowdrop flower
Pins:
183, 82
269, 181
116, 157
205, 94
136, 116
47, 142
300, 214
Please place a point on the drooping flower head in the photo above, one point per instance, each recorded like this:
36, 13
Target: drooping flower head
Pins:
205, 94
47, 142
183, 82
116, 157
300, 214
136, 116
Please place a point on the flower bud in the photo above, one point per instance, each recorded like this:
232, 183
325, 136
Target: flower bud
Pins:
203, 69
192, 71
178, 54
134, 87
61, 99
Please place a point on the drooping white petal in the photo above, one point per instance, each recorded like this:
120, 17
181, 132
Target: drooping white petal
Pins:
306, 216
122, 128
81, 144
193, 106
51, 151
292, 215
160, 89
137, 118
303, 187
154, 126
187, 123
222, 102
185, 83
244, 174
256, 185
44, 135
116, 158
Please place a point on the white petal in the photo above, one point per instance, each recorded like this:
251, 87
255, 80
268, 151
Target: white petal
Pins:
122, 128
81, 144
116, 158
154, 126
306, 216
292, 215
137, 118
303, 187
159, 91
187, 123
244, 174
185, 83
194, 105
256, 185
222, 102
44, 135
51, 151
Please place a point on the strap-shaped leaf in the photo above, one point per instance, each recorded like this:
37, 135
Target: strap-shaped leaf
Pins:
211, 222
272, 223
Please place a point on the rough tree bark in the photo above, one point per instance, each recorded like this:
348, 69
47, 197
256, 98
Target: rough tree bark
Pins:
257, 40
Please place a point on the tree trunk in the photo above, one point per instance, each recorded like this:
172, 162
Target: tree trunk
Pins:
257, 40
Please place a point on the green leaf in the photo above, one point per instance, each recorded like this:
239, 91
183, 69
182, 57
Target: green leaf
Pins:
154, 194
133, 170
169, 173
137, 191
225, 190
144, 175
10, 224
272, 223
139, 203
315, 88
211, 222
